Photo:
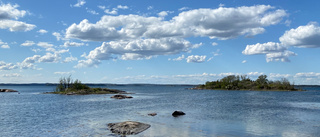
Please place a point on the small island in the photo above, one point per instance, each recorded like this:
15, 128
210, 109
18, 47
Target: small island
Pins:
243, 82
67, 86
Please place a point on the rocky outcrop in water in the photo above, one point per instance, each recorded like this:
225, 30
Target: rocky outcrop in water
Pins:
152, 114
178, 113
7, 90
120, 96
128, 127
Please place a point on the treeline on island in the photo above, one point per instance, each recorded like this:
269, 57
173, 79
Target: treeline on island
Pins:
243, 82
68, 86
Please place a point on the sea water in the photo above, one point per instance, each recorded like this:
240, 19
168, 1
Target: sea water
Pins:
31, 113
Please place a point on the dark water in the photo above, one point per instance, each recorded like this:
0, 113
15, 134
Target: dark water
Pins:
208, 113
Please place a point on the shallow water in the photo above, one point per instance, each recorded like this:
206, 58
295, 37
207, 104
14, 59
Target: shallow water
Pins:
208, 113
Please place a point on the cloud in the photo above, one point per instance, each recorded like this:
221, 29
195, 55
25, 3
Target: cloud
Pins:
307, 75
80, 3
28, 43
244, 61
216, 53
64, 73
45, 44
196, 59
184, 8
57, 35
12, 75
5, 46
280, 56
307, 36
308, 78
42, 31
304, 36
70, 59
163, 13
149, 7
179, 58
278, 76
102, 7
221, 23
264, 48
13, 25
135, 50
72, 44
9, 12
114, 11
7, 66
52, 56
141, 48
87, 63
93, 12
214, 44
273, 51
122, 7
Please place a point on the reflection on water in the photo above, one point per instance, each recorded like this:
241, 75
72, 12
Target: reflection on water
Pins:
208, 113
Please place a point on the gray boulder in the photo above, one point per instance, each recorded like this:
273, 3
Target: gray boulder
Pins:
178, 113
128, 127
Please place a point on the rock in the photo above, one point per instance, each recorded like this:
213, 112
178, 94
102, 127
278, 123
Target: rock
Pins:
128, 127
152, 114
120, 96
7, 90
178, 113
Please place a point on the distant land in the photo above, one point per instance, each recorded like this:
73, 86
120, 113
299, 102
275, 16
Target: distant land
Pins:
233, 82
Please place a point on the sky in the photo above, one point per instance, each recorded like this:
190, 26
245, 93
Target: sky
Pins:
158, 42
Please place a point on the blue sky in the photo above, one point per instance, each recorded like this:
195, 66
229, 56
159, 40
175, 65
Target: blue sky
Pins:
161, 42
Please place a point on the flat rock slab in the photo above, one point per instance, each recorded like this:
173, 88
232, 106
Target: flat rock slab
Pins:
7, 90
128, 127
120, 96
152, 114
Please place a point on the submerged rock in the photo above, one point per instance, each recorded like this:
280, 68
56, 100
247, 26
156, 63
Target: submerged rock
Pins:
128, 127
120, 96
178, 113
152, 114
7, 90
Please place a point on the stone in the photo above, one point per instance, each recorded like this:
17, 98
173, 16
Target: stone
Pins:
7, 90
120, 96
128, 127
178, 113
152, 114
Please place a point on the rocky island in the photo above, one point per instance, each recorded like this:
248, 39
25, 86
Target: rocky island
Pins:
67, 86
243, 82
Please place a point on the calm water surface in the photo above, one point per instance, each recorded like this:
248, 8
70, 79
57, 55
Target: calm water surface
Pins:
208, 113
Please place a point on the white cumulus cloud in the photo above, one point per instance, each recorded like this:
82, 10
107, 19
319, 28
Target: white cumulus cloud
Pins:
80, 3
304, 36
5, 46
7, 66
42, 31
72, 44
12, 75
28, 43
222, 23
264, 48
196, 59
9, 14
